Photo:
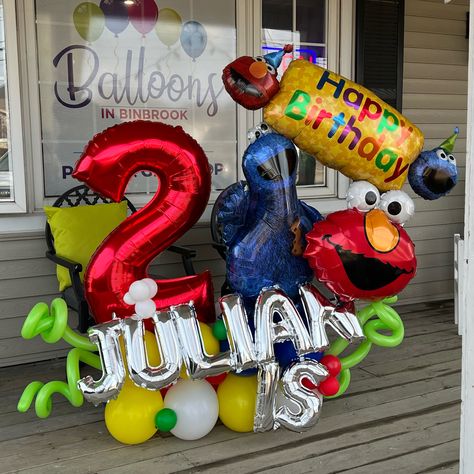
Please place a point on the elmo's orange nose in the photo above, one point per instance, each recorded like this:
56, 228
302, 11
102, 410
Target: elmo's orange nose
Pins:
258, 69
382, 235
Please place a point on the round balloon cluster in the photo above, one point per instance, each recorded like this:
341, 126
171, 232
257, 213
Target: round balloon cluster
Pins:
267, 362
90, 20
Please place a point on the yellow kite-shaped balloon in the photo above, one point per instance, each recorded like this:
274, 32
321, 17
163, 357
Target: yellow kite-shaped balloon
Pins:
344, 125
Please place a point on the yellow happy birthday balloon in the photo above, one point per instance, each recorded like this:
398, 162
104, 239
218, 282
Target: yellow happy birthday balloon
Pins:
344, 125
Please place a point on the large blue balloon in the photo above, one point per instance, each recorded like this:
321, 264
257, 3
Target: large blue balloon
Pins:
263, 224
193, 39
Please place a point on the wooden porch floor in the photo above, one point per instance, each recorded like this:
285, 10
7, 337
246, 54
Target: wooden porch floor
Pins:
401, 414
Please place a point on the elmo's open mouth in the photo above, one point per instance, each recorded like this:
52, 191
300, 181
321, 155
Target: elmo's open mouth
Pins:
366, 273
238, 82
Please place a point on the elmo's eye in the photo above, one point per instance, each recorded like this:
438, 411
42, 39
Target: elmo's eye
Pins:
363, 196
271, 69
397, 205
452, 160
441, 154
259, 59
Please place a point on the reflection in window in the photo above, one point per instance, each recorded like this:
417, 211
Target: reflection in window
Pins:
302, 23
6, 175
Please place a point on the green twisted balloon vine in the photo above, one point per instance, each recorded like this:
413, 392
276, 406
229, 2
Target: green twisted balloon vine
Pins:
52, 326
386, 318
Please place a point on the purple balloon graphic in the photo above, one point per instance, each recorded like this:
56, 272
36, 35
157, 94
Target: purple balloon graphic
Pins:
116, 15
193, 39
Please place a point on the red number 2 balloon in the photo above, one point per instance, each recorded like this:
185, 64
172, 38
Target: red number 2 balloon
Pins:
107, 165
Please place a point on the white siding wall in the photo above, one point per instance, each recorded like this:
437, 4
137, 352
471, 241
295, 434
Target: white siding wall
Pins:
435, 88
435, 98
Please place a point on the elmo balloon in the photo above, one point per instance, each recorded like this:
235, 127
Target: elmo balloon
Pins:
252, 82
364, 252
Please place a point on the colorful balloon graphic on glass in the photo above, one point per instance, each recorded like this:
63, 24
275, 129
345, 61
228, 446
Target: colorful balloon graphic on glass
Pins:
91, 19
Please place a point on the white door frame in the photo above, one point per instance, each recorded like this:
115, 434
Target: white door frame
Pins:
467, 408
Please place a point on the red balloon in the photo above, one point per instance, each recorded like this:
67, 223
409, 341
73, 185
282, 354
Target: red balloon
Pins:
361, 255
216, 380
143, 15
107, 165
332, 364
308, 384
329, 386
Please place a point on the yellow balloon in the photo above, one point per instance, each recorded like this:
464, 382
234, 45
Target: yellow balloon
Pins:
130, 418
168, 26
237, 396
153, 353
89, 21
344, 125
211, 344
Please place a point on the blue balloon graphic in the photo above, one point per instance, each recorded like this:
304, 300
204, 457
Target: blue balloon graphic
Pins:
193, 39
116, 15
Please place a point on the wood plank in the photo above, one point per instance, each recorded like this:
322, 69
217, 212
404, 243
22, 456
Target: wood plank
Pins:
433, 85
431, 56
442, 26
435, 41
421, 8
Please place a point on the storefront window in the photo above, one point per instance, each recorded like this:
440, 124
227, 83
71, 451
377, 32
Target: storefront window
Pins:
302, 23
101, 63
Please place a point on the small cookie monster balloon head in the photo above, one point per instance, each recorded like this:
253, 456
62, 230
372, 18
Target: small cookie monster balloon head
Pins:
434, 173
270, 163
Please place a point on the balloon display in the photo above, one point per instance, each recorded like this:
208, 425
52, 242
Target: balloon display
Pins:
193, 39
364, 252
344, 125
109, 161
89, 21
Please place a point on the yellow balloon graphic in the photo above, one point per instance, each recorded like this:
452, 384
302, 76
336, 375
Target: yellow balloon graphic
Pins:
130, 418
89, 21
168, 26
237, 396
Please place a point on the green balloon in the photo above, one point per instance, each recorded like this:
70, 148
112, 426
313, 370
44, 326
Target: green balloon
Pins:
219, 330
168, 26
89, 21
166, 419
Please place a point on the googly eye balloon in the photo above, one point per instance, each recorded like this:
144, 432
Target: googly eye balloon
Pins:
363, 196
398, 206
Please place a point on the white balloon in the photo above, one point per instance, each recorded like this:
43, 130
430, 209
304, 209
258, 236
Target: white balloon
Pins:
152, 286
139, 291
128, 299
196, 407
145, 308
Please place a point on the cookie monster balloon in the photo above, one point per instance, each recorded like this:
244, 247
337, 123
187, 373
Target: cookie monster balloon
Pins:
434, 173
263, 223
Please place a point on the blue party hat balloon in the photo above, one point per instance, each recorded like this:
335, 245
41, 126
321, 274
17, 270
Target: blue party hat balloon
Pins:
274, 59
